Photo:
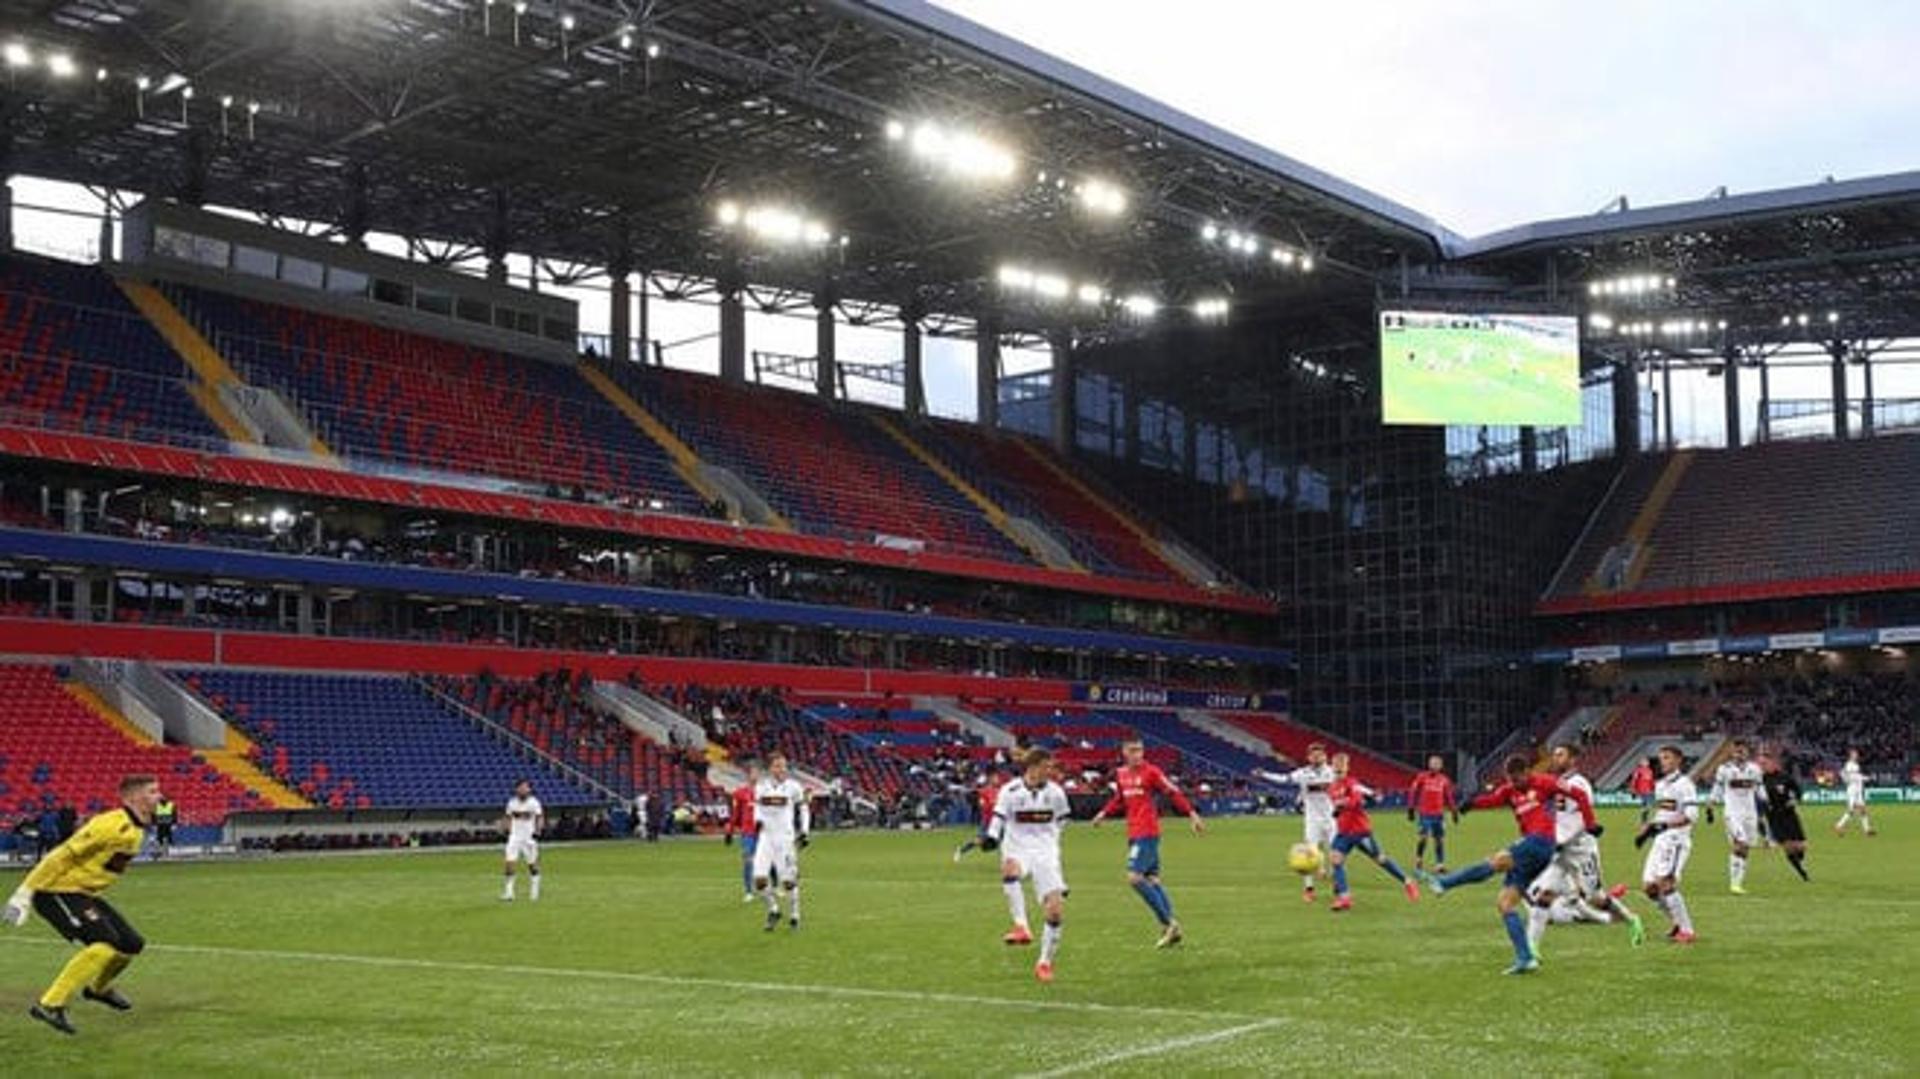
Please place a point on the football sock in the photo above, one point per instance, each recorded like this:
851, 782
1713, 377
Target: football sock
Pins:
1536, 925
1587, 912
1677, 905
1799, 863
1016, 900
793, 903
1393, 869
1049, 941
533, 886
1340, 878
1841, 825
1166, 903
746, 875
1306, 882
1472, 874
80, 970
506, 889
772, 900
1517, 933
1155, 899
1440, 851
1736, 869
1420, 849
111, 971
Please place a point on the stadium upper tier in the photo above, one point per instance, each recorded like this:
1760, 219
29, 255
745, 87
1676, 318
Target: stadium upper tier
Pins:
75, 355
1778, 519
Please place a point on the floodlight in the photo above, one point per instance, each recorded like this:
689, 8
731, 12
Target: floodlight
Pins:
18, 55
1103, 197
567, 23
253, 108
142, 83
1833, 317
226, 101
1051, 286
626, 38
653, 50
60, 65
186, 92
896, 130
1092, 294
172, 82
1016, 277
1306, 263
1802, 320
100, 75
1209, 232
1141, 306
728, 212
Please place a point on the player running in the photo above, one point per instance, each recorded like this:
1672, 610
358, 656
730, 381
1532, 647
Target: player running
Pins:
1856, 781
1028, 817
740, 823
1354, 831
523, 823
1313, 779
1429, 799
1676, 804
1572, 880
781, 820
65, 889
1640, 785
1134, 785
1531, 797
1737, 787
989, 791
1782, 797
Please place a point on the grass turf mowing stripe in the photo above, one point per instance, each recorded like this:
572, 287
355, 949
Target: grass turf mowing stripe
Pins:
643, 978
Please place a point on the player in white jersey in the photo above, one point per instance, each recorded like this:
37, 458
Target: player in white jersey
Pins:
1856, 781
1027, 820
1737, 786
781, 820
523, 821
1675, 808
1316, 805
1574, 877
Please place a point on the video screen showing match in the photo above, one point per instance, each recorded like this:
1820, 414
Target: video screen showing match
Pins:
1449, 367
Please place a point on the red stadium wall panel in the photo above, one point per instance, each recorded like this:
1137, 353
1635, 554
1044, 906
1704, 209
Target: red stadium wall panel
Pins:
42, 637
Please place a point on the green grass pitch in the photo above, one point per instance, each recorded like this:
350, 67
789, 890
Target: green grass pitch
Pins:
1445, 376
643, 960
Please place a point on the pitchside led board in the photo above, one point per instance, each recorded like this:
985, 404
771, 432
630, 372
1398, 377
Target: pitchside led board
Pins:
1449, 367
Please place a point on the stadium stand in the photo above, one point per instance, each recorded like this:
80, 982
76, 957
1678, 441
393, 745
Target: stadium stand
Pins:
75, 355
1008, 469
553, 713
57, 750
1290, 741
389, 395
828, 471
750, 724
358, 741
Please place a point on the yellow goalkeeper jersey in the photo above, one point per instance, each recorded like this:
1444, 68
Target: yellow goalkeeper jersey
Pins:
93, 857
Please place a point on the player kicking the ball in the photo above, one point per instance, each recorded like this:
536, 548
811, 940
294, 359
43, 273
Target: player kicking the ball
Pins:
1134, 785
781, 819
1028, 817
1530, 795
1313, 779
523, 821
1572, 882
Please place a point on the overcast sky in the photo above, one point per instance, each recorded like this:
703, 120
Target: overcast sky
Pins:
1489, 113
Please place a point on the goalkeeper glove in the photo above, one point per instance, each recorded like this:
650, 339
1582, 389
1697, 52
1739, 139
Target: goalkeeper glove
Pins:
17, 906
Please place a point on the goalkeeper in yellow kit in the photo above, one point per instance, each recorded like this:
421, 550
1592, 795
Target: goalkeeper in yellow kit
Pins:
65, 889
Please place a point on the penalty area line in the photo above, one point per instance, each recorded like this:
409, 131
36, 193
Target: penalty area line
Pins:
1170, 1045
394, 962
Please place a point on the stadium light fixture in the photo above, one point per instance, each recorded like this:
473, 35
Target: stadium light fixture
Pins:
774, 224
1833, 317
172, 82
1802, 319
100, 75
18, 55
1102, 197
1306, 263
142, 84
568, 22
1211, 308
965, 155
1140, 305
61, 66
897, 131
653, 50
1015, 277
1209, 232
1092, 295
626, 38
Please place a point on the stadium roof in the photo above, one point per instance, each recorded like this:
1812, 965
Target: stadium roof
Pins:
576, 130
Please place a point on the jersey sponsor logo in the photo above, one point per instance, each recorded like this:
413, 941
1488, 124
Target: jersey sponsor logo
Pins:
1033, 816
1742, 784
773, 800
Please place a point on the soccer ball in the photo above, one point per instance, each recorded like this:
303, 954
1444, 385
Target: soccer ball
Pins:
1304, 858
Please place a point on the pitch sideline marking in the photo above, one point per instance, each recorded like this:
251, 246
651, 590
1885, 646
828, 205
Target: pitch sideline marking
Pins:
1187, 1041
642, 978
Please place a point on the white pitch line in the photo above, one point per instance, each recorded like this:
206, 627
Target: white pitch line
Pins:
642, 978
1170, 1045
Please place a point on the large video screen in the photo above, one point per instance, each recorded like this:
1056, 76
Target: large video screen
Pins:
1446, 367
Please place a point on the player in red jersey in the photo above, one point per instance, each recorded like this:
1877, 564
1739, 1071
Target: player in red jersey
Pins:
1134, 785
1640, 785
1429, 800
1353, 830
1531, 794
740, 823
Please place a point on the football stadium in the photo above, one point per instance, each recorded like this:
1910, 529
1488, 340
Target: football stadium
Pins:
718, 537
